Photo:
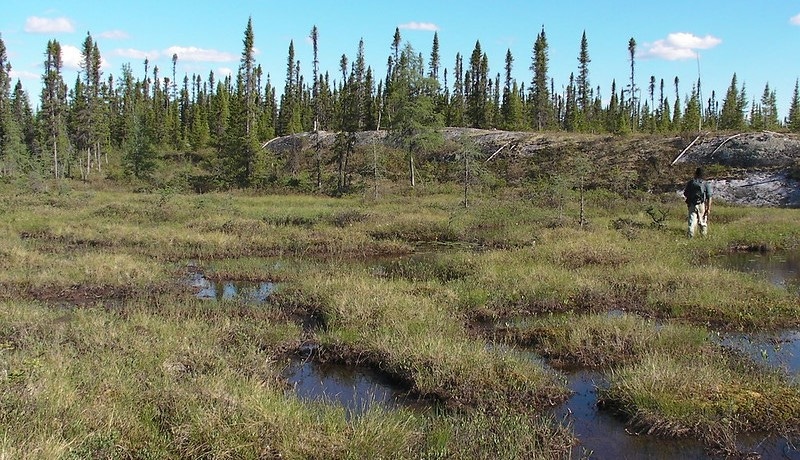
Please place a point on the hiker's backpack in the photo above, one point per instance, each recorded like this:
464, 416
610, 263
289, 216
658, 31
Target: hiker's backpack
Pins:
695, 192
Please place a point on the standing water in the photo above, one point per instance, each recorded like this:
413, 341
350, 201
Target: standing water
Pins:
251, 292
356, 389
775, 349
780, 268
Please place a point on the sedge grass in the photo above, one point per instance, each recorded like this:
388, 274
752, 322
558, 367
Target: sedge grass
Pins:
177, 377
602, 340
710, 395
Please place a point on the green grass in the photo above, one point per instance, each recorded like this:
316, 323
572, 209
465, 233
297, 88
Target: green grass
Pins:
104, 352
709, 395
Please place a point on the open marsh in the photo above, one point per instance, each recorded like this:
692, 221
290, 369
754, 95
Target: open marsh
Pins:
106, 349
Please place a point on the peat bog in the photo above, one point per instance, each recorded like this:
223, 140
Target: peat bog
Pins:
243, 326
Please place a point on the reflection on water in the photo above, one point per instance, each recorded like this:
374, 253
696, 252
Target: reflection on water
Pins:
356, 389
780, 268
231, 290
603, 435
780, 350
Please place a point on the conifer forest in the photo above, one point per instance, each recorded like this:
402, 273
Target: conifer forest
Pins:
212, 129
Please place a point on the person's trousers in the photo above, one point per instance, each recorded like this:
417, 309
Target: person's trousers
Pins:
696, 219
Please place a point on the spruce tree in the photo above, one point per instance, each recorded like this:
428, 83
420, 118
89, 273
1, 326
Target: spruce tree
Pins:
582, 82
769, 108
634, 108
435, 58
23, 114
541, 104
732, 114
456, 107
691, 118
677, 117
477, 95
570, 121
511, 106
416, 124
53, 112
793, 120
13, 150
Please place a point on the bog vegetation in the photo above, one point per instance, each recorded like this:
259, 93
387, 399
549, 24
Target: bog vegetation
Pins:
106, 352
409, 257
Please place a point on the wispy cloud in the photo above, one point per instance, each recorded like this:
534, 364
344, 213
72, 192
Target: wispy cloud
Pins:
795, 20
23, 75
677, 46
225, 71
37, 25
194, 54
132, 53
429, 26
115, 35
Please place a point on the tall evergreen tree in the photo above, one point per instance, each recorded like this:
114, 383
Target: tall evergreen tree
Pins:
87, 114
289, 120
457, 102
677, 116
733, 106
541, 105
511, 106
435, 58
477, 96
583, 85
793, 120
634, 101
249, 87
23, 114
13, 149
416, 125
52, 113
570, 121
769, 108
691, 116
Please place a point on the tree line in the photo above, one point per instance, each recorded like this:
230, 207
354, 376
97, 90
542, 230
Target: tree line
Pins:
127, 126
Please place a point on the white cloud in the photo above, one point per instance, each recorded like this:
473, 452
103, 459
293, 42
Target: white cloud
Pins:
419, 26
678, 46
115, 34
795, 20
140, 55
72, 58
37, 25
194, 54
225, 71
23, 75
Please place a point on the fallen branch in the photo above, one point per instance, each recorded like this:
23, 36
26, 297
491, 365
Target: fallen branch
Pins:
723, 142
268, 142
498, 151
684, 150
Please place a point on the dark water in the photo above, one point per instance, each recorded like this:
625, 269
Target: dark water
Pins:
356, 389
253, 292
779, 350
781, 267
602, 435
775, 349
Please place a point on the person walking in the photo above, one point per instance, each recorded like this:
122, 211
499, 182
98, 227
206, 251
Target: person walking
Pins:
698, 199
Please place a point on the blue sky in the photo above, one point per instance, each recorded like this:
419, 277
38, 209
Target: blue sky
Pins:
758, 40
